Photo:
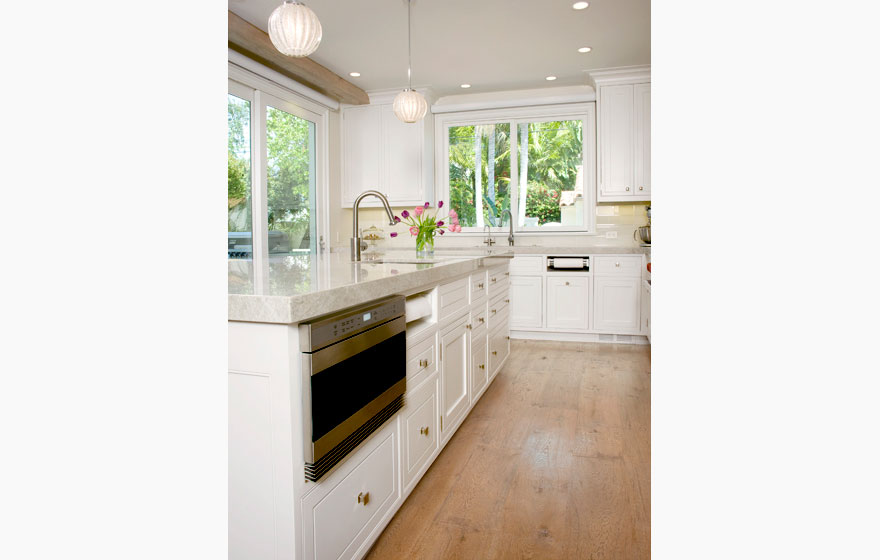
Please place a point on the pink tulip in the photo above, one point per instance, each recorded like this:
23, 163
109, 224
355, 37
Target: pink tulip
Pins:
414, 230
440, 204
393, 234
452, 214
454, 220
418, 210
427, 204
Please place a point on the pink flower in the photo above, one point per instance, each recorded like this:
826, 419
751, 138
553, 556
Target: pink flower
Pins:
393, 234
418, 210
454, 220
453, 214
414, 230
405, 214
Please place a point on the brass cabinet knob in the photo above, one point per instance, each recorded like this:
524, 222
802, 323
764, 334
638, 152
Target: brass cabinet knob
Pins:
494, 279
480, 285
481, 319
364, 498
468, 325
567, 284
494, 352
617, 264
507, 301
627, 189
424, 430
423, 363
507, 274
641, 188
482, 366
494, 311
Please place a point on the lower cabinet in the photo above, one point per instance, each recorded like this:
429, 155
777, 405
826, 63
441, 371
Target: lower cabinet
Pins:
646, 309
499, 348
526, 302
616, 304
419, 434
568, 302
454, 362
337, 521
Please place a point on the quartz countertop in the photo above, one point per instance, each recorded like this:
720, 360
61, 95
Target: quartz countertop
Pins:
550, 250
291, 289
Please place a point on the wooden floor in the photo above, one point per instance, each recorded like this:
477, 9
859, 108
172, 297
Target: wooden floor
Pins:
553, 462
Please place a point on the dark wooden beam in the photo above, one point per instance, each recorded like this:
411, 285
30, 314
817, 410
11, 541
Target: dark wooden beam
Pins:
254, 43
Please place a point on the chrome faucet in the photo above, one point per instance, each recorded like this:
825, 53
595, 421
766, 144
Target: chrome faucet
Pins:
357, 244
488, 241
510, 223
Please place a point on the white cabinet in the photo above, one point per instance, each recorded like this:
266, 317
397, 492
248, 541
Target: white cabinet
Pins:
616, 304
454, 364
419, 423
479, 361
568, 302
624, 106
526, 302
381, 152
646, 309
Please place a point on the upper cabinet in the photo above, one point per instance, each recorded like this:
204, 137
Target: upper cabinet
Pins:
624, 106
382, 153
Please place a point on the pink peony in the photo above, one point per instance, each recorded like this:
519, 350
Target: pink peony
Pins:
414, 230
453, 214
418, 210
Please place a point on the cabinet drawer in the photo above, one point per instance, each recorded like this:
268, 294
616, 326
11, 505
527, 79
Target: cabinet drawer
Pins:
479, 363
419, 422
479, 316
337, 523
453, 297
498, 281
532, 264
478, 286
498, 308
624, 266
421, 360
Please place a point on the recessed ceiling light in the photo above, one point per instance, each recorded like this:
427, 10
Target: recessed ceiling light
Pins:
354, 74
465, 86
580, 5
550, 78
585, 49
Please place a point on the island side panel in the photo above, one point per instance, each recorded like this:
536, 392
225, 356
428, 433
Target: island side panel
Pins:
264, 437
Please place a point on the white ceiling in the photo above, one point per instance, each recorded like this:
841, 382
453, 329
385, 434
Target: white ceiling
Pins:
493, 45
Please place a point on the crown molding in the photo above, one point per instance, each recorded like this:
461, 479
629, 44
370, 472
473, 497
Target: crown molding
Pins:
619, 75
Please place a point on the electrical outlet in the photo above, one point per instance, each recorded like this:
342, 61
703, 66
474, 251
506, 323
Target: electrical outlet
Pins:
610, 235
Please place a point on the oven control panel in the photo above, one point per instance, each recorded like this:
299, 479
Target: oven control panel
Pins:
329, 329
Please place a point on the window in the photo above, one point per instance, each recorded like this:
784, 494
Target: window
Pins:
276, 147
534, 164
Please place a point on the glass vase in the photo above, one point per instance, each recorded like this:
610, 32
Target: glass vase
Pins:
425, 244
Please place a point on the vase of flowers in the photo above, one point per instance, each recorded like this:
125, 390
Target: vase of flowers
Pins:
425, 226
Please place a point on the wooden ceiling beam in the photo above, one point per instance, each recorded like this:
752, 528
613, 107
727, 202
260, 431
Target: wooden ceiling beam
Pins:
254, 43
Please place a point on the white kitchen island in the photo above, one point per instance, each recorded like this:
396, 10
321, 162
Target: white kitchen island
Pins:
453, 352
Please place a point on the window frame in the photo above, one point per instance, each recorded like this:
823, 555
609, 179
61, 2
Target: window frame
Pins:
515, 116
263, 93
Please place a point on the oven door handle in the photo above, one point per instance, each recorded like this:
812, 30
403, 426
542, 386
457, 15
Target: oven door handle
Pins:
335, 353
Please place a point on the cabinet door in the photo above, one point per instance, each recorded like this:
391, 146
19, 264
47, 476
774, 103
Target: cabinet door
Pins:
454, 362
361, 149
419, 423
403, 146
526, 302
646, 310
642, 148
568, 302
616, 304
616, 141
479, 361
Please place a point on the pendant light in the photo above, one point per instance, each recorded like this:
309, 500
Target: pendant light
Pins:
409, 105
294, 29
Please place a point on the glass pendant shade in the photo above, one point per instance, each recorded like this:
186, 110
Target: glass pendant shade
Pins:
294, 29
410, 106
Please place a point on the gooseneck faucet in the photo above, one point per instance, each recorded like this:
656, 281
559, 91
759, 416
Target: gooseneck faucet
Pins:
356, 241
510, 223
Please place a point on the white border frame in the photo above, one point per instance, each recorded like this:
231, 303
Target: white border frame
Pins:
514, 116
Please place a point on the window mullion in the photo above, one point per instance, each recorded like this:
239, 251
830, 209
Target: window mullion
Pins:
514, 174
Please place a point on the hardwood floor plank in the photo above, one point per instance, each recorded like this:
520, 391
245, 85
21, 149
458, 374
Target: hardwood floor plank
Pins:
553, 462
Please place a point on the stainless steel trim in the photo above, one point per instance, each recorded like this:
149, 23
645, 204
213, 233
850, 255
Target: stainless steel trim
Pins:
335, 436
335, 353
305, 329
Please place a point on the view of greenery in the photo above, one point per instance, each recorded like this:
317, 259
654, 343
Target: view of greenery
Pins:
290, 159
554, 152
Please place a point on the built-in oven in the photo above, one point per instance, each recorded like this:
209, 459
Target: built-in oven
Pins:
354, 378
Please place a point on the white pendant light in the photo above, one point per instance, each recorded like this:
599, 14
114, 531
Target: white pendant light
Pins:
294, 29
409, 105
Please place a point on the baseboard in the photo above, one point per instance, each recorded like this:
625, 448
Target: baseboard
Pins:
580, 337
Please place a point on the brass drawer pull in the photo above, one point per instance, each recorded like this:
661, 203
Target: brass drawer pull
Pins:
567, 284
494, 311
507, 301
364, 498
424, 431
423, 363
468, 326
641, 188
494, 352
627, 189
481, 286
617, 264
481, 319
494, 280
482, 366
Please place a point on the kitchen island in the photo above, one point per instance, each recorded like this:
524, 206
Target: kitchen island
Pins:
455, 343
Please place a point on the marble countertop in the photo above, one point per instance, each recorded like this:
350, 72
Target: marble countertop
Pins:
291, 289
569, 250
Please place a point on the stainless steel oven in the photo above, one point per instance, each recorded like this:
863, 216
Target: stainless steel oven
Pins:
354, 378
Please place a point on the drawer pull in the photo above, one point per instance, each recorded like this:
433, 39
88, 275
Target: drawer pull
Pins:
567, 284
482, 366
480, 286
641, 188
507, 274
494, 280
480, 319
507, 301
617, 264
423, 363
364, 498
494, 352
507, 337
468, 326
494, 311
627, 189
424, 430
